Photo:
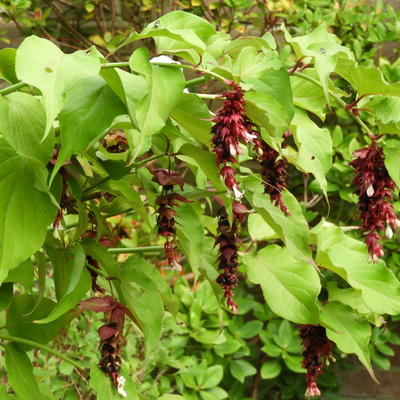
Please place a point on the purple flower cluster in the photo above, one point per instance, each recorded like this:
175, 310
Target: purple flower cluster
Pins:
228, 131
228, 258
374, 188
317, 349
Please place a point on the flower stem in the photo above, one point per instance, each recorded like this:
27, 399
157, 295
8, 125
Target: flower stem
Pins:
339, 100
130, 250
12, 88
42, 347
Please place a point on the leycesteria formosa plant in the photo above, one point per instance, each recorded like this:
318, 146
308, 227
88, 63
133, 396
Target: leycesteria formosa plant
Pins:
93, 217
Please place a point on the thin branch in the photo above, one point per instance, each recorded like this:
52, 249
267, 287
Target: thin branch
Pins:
12, 88
42, 347
339, 100
131, 250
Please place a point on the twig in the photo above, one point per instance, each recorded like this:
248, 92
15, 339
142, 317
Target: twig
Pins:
42, 347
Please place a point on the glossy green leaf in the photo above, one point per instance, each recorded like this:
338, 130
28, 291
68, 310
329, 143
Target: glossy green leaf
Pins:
348, 258
6, 293
42, 64
392, 159
350, 332
22, 274
271, 369
366, 80
293, 229
315, 147
20, 374
7, 65
94, 105
166, 85
23, 123
193, 115
26, 209
258, 228
240, 369
21, 322
290, 286
106, 390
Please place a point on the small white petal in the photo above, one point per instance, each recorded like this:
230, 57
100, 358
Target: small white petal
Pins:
249, 137
232, 150
164, 59
238, 193
120, 386
186, 90
397, 222
389, 232
370, 190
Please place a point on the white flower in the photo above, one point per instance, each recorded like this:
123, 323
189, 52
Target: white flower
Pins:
232, 150
249, 137
164, 59
238, 193
389, 232
370, 190
120, 386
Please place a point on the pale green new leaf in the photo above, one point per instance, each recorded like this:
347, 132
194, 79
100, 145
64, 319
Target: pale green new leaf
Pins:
392, 159
20, 374
350, 332
95, 106
23, 124
315, 147
290, 286
42, 64
166, 85
7, 65
348, 258
26, 209
292, 229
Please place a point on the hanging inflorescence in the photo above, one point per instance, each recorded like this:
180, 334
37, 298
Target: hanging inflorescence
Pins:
166, 213
317, 352
111, 336
228, 257
228, 131
273, 170
374, 188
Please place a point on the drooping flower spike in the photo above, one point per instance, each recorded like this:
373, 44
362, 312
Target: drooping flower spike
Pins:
374, 188
317, 352
229, 130
273, 170
111, 336
166, 213
228, 257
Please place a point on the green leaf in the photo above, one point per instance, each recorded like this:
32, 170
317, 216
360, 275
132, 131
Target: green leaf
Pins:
271, 369
76, 281
259, 229
212, 377
350, 297
293, 229
23, 123
325, 49
7, 65
366, 80
270, 103
240, 369
315, 148
22, 274
20, 322
25, 208
290, 286
88, 114
392, 159
190, 232
42, 64
138, 270
170, 397
348, 258
147, 307
350, 332
20, 373
192, 114
250, 329
308, 95
166, 85
105, 389
6, 294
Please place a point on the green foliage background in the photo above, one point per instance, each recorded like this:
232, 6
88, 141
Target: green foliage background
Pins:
208, 354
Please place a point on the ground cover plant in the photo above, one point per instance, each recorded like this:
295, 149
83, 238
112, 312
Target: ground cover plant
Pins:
134, 190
